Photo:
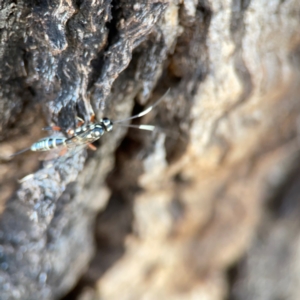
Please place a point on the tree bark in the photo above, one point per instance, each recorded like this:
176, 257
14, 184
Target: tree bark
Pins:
195, 210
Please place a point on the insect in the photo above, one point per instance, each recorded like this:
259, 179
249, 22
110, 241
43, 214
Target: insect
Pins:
86, 134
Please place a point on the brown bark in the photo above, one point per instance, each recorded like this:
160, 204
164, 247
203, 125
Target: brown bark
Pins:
196, 210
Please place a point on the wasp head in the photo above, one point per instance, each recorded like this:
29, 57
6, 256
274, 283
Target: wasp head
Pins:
107, 124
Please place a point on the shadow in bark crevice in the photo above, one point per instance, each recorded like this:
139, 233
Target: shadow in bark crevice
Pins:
114, 224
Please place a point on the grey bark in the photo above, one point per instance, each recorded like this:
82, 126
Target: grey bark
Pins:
162, 216
64, 56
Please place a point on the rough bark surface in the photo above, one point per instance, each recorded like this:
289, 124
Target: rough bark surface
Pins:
204, 208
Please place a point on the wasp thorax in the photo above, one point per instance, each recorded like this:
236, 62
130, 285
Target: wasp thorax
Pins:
97, 131
107, 123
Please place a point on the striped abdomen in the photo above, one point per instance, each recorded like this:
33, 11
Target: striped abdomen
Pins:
47, 144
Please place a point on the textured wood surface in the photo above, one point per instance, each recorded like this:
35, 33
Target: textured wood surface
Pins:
204, 208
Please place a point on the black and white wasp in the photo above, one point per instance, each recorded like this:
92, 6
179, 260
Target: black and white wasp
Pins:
86, 134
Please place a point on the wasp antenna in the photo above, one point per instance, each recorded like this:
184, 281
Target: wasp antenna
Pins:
144, 112
145, 127
19, 152
142, 127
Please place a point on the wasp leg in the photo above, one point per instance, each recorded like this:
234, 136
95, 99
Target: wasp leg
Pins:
70, 132
92, 147
80, 121
63, 151
93, 117
54, 128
